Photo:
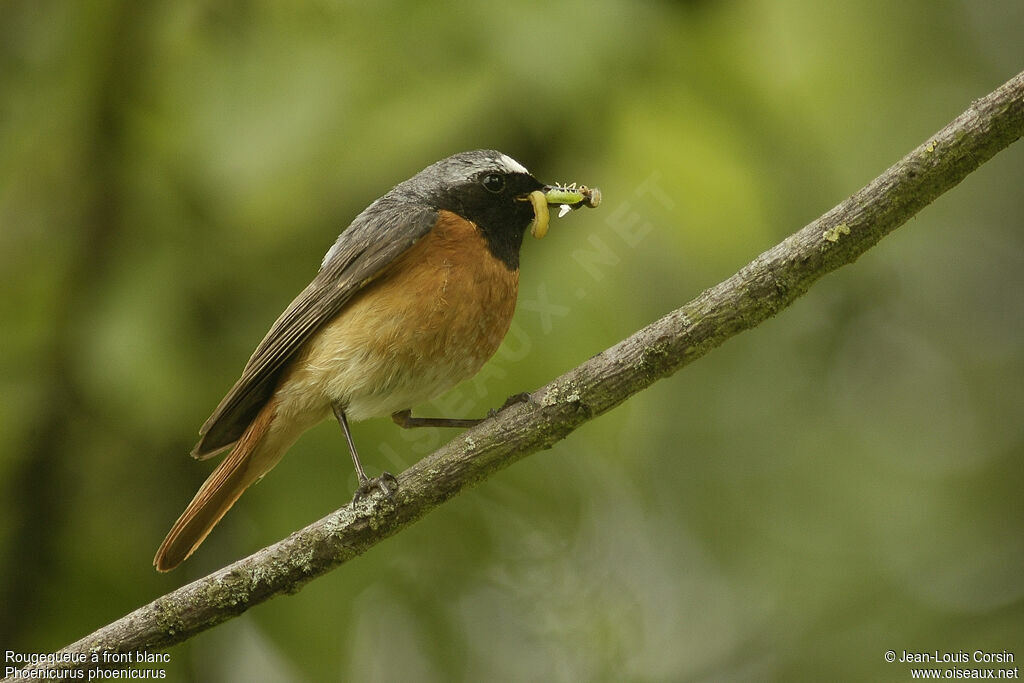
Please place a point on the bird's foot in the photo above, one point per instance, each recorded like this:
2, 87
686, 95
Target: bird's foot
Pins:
521, 397
385, 483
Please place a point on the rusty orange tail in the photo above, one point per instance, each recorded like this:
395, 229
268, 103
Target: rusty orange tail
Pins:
251, 458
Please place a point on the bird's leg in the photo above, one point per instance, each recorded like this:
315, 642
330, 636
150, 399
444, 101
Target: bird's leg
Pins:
405, 420
386, 482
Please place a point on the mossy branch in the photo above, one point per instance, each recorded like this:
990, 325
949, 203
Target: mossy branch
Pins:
759, 290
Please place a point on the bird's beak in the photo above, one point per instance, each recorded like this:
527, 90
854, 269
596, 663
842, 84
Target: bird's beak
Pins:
569, 196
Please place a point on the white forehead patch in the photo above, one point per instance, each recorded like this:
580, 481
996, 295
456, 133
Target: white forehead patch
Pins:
511, 165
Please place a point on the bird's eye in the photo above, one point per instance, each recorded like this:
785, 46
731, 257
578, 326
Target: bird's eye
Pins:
493, 182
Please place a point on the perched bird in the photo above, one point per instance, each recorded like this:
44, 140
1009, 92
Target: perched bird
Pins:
413, 297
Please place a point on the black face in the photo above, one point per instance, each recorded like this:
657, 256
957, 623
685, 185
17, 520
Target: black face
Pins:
496, 201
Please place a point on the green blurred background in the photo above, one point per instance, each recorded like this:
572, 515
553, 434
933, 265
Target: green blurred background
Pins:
843, 480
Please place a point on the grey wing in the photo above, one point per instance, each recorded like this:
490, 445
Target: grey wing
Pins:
374, 240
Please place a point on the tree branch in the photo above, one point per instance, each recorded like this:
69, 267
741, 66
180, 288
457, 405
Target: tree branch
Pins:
761, 289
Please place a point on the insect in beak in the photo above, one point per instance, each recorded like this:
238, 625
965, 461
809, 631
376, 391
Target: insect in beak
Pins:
569, 196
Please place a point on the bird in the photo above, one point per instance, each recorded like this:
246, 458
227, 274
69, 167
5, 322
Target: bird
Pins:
413, 297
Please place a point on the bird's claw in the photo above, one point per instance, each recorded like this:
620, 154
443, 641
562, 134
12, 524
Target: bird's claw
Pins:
521, 397
385, 483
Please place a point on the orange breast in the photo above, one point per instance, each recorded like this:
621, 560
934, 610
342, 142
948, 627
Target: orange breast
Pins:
433, 320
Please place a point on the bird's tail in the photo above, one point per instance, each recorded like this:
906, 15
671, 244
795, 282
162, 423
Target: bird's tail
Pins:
255, 453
